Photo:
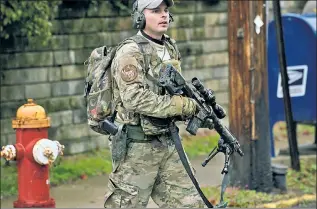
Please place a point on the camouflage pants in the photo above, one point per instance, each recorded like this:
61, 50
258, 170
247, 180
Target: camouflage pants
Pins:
151, 169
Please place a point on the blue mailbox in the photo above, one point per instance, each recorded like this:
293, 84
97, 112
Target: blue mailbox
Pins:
300, 51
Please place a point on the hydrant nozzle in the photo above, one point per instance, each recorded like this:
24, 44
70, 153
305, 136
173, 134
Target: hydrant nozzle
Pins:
9, 152
46, 151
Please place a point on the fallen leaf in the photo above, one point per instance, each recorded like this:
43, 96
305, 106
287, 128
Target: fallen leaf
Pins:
212, 201
306, 133
83, 176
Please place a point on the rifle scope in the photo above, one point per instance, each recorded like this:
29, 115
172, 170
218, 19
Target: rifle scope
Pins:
209, 97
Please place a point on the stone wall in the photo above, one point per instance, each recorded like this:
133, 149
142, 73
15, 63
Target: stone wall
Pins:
54, 75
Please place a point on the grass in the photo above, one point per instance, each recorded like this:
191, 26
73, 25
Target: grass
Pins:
298, 183
280, 130
305, 180
306, 128
70, 168
301, 128
242, 198
197, 145
8, 180
64, 170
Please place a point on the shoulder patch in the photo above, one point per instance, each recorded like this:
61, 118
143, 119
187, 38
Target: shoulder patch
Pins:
129, 73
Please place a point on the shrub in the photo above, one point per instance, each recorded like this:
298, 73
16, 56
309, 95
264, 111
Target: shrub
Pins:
31, 19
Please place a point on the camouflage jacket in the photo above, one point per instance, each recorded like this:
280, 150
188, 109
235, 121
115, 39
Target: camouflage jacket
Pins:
139, 96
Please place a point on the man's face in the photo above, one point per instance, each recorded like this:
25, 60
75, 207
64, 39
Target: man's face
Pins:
157, 19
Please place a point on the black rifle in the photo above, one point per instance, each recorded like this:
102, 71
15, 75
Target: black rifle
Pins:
174, 83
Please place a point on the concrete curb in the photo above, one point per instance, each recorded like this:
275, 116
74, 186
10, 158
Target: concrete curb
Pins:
290, 202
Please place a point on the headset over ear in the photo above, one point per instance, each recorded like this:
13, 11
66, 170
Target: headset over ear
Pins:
138, 18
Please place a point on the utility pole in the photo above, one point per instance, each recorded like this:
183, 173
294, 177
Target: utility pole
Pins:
249, 114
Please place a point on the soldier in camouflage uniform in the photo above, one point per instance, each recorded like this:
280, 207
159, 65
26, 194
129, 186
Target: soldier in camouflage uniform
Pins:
151, 166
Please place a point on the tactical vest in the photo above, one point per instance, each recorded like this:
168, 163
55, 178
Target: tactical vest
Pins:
152, 64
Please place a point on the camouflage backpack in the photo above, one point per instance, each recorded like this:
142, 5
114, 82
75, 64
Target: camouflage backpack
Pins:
98, 83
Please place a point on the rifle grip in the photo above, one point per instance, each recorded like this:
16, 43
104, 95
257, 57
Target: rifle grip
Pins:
193, 125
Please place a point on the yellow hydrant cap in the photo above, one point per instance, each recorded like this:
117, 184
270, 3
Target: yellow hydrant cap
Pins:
31, 115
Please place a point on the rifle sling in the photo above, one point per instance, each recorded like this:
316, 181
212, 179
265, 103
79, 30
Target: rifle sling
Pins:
183, 158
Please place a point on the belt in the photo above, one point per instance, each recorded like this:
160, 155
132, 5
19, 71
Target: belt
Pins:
136, 134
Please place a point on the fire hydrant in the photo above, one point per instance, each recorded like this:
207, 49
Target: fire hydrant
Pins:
34, 154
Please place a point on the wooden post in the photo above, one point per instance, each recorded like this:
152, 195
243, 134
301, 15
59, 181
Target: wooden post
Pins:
239, 88
248, 112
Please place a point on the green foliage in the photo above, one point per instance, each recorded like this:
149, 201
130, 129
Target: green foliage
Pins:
27, 18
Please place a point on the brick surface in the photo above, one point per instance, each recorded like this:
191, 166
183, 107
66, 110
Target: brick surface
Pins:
37, 91
23, 76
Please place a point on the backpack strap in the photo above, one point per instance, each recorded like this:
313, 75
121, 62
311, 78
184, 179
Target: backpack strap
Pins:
145, 48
